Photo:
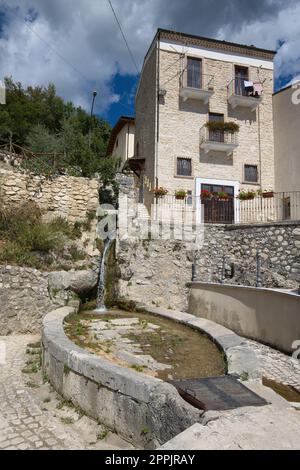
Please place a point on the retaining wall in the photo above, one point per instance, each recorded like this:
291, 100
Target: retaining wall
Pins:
266, 315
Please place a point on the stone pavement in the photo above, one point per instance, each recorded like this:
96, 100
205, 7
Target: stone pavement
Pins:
277, 366
33, 416
272, 427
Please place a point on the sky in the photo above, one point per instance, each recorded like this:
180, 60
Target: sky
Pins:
76, 44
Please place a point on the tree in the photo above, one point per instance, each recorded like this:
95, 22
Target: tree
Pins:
37, 119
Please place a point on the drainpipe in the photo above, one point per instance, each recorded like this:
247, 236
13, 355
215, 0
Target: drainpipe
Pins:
157, 109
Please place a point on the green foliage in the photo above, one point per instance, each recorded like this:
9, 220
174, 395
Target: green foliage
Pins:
230, 126
26, 240
37, 119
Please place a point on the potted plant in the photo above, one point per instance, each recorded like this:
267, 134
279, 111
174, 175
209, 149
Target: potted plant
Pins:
160, 192
220, 126
246, 195
205, 194
222, 196
267, 194
180, 194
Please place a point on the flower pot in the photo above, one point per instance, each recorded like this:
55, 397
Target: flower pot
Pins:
268, 194
181, 198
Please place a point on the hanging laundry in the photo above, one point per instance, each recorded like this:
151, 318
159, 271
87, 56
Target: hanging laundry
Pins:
248, 84
258, 88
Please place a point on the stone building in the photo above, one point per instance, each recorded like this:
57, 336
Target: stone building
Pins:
121, 142
286, 105
204, 118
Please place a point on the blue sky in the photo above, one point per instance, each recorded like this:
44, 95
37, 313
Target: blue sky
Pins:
76, 44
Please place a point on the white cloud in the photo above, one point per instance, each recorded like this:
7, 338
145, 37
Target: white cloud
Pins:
85, 33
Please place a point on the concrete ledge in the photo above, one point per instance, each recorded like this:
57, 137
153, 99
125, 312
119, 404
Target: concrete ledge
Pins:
270, 316
241, 360
144, 410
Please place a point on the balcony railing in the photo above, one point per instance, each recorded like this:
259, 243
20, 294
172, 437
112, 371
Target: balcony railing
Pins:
196, 85
239, 94
279, 207
220, 141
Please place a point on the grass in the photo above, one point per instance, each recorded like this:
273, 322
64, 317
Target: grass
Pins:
102, 434
67, 420
27, 240
36, 345
138, 368
32, 385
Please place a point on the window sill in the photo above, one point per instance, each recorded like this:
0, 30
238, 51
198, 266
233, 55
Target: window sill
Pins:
251, 183
184, 177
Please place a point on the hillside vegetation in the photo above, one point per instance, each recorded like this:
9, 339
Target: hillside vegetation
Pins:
64, 138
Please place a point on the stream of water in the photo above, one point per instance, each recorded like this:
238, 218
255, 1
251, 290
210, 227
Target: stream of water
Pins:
100, 307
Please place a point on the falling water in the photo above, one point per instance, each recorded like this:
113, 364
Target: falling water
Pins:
101, 286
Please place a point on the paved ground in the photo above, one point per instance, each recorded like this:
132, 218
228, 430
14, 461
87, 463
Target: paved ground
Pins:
32, 415
277, 366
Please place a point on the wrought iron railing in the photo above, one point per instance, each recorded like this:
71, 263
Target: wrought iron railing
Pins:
224, 137
237, 87
197, 80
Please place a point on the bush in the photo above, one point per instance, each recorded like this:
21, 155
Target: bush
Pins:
27, 240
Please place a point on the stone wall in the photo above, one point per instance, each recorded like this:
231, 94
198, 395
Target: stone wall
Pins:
27, 295
66, 196
243, 310
24, 299
158, 271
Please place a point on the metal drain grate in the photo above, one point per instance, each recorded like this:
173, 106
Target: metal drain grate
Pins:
217, 393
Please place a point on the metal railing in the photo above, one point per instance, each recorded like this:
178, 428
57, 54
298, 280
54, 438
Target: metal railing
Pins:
224, 137
237, 87
193, 78
277, 207
273, 207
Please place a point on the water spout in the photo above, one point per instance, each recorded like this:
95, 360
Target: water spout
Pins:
100, 306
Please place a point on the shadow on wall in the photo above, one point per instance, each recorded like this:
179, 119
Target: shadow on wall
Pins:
242, 114
216, 158
193, 106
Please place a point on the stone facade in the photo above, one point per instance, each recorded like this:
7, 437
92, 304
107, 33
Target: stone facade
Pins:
174, 129
65, 196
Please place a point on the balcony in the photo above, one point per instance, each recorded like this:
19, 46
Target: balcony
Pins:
218, 141
196, 86
243, 96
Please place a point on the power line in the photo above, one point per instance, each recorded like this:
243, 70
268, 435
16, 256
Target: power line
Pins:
52, 48
124, 37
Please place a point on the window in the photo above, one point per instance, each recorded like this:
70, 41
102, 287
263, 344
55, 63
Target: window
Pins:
215, 135
194, 73
117, 143
251, 173
184, 167
241, 75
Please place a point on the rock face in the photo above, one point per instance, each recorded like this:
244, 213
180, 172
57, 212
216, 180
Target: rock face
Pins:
27, 295
157, 271
79, 282
25, 299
